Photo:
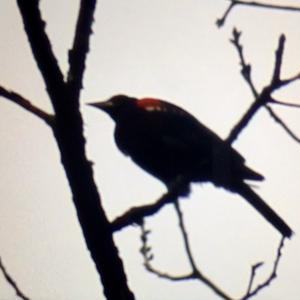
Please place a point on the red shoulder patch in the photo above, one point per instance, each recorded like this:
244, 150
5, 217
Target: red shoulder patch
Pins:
150, 104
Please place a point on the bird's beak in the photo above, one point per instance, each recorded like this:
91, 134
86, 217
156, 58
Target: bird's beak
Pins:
104, 105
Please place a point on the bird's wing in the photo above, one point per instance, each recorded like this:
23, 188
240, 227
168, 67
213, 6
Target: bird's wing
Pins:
178, 128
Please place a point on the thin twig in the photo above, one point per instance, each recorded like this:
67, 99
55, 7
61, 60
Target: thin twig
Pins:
194, 275
221, 21
288, 104
185, 236
272, 275
253, 274
12, 282
266, 5
278, 61
265, 96
290, 80
27, 105
246, 73
148, 257
282, 124
245, 67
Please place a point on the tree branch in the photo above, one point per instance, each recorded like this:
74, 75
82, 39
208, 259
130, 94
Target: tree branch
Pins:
12, 282
288, 104
185, 236
136, 214
254, 269
195, 274
78, 53
245, 67
233, 3
68, 132
282, 124
278, 61
269, 279
41, 48
265, 96
27, 105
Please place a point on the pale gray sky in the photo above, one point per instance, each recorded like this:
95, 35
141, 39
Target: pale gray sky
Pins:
166, 49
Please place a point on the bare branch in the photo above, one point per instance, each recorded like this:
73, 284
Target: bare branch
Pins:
197, 275
245, 67
270, 278
282, 124
27, 105
266, 5
265, 96
71, 143
290, 80
194, 275
185, 236
246, 73
278, 61
12, 282
41, 48
77, 55
148, 257
288, 104
220, 22
135, 215
252, 277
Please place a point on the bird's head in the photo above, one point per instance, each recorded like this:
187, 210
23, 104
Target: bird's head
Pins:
117, 106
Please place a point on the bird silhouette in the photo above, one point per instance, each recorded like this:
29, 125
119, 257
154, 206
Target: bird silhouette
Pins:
170, 143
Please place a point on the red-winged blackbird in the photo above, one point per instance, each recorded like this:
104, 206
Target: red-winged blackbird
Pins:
170, 143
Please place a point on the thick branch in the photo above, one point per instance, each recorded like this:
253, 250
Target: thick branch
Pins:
41, 47
68, 131
27, 105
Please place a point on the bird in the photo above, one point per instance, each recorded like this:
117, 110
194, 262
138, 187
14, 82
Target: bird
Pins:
170, 143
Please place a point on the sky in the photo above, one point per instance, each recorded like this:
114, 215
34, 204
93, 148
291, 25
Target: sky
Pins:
170, 50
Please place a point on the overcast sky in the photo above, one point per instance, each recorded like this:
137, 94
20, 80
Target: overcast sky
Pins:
170, 50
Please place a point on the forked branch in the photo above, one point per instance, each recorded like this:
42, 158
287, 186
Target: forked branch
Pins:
195, 274
265, 96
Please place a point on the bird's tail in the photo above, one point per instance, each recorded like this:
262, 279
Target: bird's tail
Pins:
266, 211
